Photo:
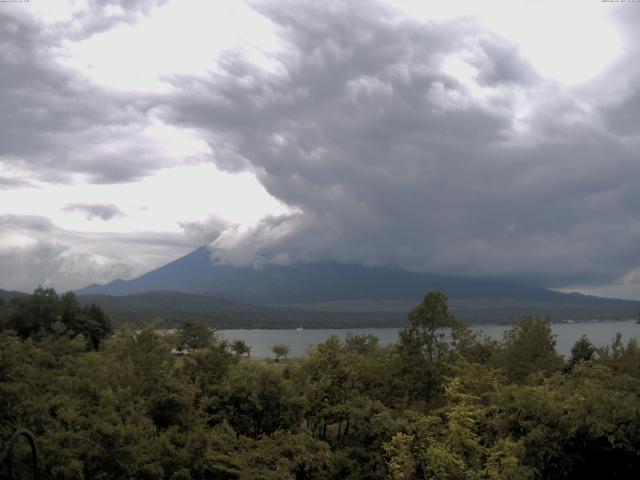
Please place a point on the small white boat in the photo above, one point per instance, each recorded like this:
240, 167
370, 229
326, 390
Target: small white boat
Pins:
299, 329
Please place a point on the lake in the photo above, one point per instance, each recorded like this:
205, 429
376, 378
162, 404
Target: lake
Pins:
260, 341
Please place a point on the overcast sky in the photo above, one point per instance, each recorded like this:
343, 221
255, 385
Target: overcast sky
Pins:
493, 138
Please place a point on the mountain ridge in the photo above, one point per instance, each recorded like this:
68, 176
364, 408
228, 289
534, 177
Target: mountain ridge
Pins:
339, 292
310, 282
9, 294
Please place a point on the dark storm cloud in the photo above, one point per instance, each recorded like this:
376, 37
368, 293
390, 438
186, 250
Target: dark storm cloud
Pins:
54, 123
386, 156
104, 212
501, 64
390, 160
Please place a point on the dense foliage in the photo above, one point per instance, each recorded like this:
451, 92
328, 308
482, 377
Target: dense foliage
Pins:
45, 312
442, 403
171, 309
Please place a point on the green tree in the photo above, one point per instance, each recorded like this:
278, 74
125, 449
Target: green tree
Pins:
582, 351
93, 323
193, 335
5, 314
529, 347
280, 351
34, 315
328, 384
256, 399
240, 347
283, 456
425, 346
426, 334
579, 425
361, 344
620, 357
206, 368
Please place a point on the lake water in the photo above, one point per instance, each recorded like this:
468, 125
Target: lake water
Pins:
260, 341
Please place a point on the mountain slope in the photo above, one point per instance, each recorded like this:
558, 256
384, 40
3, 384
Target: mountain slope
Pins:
9, 294
313, 282
328, 294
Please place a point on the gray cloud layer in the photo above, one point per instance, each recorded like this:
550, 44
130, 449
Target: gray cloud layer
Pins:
53, 122
103, 212
392, 161
387, 158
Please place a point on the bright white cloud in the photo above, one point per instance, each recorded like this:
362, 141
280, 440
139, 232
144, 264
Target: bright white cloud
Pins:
53, 11
570, 41
160, 202
181, 37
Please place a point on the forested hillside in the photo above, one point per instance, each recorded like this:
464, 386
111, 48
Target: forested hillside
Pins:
308, 282
170, 309
442, 403
347, 295
9, 294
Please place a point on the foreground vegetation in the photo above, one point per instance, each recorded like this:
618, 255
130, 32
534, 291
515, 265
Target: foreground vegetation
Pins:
442, 403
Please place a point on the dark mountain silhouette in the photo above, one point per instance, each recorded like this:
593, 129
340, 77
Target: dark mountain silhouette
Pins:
9, 294
334, 287
304, 283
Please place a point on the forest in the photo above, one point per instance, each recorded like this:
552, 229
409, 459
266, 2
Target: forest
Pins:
441, 403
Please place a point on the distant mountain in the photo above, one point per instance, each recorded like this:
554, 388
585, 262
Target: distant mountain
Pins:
339, 290
170, 309
307, 283
9, 294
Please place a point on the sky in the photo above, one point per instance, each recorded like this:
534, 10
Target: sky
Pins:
488, 139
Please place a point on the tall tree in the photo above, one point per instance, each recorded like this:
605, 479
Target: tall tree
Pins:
193, 335
529, 347
582, 351
37, 314
426, 334
425, 345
